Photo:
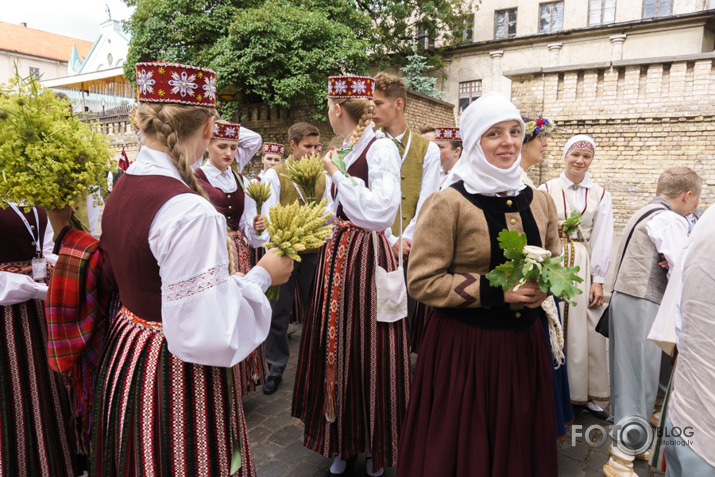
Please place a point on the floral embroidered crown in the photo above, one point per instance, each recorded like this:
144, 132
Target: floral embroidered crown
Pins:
273, 148
175, 83
447, 134
540, 126
350, 86
226, 130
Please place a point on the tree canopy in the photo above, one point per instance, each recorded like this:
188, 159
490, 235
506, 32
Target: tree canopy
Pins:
281, 51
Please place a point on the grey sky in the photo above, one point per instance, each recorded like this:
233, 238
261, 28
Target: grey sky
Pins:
75, 18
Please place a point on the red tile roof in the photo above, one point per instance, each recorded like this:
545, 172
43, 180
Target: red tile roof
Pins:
29, 41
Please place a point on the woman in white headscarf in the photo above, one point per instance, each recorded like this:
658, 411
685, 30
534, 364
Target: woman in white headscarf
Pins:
482, 400
590, 249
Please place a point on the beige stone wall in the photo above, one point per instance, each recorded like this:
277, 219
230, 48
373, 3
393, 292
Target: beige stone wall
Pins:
49, 69
644, 117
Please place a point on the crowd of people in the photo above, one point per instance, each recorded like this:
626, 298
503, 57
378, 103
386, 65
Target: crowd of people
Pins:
133, 351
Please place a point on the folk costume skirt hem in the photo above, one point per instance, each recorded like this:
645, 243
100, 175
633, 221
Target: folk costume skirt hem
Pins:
36, 434
482, 404
252, 370
352, 382
156, 415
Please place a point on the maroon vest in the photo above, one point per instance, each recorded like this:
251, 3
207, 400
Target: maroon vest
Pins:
360, 169
16, 245
127, 217
230, 205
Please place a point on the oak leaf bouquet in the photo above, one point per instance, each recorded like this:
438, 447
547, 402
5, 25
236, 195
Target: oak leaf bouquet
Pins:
305, 173
48, 157
527, 262
570, 225
295, 228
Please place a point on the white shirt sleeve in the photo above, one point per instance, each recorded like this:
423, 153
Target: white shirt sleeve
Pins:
668, 231
249, 142
209, 317
48, 245
601, 242
373, 208
246, 224
17, 288
431, 167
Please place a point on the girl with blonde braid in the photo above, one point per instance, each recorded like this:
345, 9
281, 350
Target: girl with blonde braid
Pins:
166, 399
352, 381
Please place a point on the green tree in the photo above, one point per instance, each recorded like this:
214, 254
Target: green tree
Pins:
279, 53
415, 80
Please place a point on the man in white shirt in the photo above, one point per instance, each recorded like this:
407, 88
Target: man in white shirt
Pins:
657, 229
420, 162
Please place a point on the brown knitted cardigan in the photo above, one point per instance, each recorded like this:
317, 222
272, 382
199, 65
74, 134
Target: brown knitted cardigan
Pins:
455, 245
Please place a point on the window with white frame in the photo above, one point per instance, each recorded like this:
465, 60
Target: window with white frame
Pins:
469, 91
601, 11
424, 40
657, 8
468, 29
35, 72
551, 17
505, 23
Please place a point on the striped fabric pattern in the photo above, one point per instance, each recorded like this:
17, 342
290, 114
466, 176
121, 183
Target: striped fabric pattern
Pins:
155, 415
252, 370
371, 360
35, 419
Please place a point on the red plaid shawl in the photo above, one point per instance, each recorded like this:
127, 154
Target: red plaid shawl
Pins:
76, 315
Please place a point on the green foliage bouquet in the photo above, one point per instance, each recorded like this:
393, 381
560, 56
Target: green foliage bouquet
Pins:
527, 262
570, 225
48, 158
295, 228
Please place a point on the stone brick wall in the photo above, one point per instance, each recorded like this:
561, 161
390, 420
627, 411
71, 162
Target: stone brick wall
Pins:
273, 123
645, 116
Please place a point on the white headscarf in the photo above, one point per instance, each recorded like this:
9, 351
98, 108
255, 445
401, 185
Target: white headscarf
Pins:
479, 176
580, 138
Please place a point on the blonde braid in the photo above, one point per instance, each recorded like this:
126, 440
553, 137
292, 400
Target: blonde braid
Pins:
363, 122
171, 125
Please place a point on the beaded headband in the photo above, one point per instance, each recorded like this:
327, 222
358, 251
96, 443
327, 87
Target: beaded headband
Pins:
447, 134
175, 83
582, 146
273, 148
226, 130
350, 86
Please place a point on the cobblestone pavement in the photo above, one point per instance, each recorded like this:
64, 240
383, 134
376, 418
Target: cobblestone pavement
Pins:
277, 438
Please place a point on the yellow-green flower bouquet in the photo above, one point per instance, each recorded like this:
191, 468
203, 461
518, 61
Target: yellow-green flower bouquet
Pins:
48, 158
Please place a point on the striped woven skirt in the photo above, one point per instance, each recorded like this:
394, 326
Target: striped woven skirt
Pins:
36, 435
155, 415
252, 370
352, 381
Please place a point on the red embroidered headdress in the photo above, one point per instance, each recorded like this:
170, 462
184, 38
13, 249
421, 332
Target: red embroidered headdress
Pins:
350, 86
270, 147
447, 134
175, 83
226, 130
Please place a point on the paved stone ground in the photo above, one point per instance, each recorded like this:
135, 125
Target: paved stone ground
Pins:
277, 438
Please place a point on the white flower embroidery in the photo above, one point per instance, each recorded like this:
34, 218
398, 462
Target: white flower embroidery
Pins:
216, 129
145, 81
231, 132
448, 133
183, 84
274, 148
210, 87
340, 87
359, 86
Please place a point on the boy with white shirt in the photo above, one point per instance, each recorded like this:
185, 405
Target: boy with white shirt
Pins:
659, 228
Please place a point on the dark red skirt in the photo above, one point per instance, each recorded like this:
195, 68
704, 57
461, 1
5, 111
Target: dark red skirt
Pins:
482, 404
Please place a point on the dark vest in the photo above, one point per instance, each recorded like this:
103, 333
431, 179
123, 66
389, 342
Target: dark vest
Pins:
15, 241
230, 205
127, 218
359, 169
